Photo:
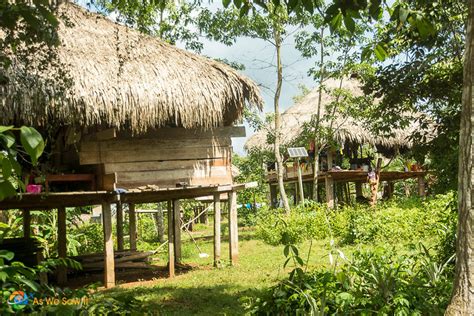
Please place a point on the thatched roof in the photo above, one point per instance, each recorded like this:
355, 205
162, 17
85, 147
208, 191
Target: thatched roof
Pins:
122, 78
345, 128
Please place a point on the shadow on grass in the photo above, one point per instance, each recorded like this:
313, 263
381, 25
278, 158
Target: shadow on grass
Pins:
200, 300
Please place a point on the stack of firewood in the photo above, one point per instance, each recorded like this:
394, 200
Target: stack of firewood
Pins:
125, 259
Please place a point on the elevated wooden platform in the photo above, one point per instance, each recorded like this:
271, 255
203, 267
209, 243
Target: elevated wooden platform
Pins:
347, 176
59, 202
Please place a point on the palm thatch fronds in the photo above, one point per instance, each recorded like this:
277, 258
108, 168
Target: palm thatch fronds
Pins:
344, 127
111, 75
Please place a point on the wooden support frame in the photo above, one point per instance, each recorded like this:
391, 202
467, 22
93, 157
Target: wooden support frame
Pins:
171, 270
109, 263
119, 226
177, 230
233, 229
217, 230
62, 246
132, 223
26, 224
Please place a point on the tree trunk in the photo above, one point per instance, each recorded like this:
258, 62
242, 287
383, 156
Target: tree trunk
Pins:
462, 301
317, 146
276, 103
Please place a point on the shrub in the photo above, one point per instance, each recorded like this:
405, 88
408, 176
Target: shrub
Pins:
374, 282
397, 221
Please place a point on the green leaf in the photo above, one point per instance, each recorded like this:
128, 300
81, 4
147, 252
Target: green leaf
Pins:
33, 143
349, 23
336, 22
8, 255
226, 3
5, 128
308, 5
238, 3
7, 139
424, 27
286, 250
6, 190
403, 14
380, 52
6, 168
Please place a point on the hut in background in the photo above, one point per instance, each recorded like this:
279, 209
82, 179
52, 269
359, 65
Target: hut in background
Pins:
346, 130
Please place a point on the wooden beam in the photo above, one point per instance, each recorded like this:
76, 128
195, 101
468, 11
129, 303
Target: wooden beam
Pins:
62, 246
177, 230
132, 223
233, 229
109, 181
119, 226
153, 154
109, 263
217, 230
26, 224
105, 134
171, 259
180, 133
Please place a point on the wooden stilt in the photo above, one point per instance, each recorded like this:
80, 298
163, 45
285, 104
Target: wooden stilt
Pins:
233, 229
109, 264
62, 246
329, 191
273, 196
217, 230
132, 223
358, 187
158, 218
421, 186
177, 230
26, 224
170, 240
119, 226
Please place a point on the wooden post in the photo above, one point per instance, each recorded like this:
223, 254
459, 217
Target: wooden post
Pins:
217, 230
170, 241
109, 264
329, 191
132, 223
233, 229
374, 183
119, 226
273, 196
26, 224
158, 218
62, 246
421, 186
177, 230
203, 218
358, 187
300, 182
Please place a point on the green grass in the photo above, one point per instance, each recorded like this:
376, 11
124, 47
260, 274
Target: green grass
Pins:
210, 291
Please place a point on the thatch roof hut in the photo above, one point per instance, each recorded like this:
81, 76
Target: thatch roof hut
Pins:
117, 77
345, 128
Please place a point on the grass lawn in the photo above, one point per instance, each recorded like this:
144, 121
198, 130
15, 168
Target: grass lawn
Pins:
205, 290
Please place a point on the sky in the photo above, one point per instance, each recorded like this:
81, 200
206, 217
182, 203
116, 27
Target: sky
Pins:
256, 55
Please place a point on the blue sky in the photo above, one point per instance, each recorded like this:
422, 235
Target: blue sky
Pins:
256, 54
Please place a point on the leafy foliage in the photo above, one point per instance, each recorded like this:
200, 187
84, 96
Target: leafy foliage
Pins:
373, 282
392, 222
10, 153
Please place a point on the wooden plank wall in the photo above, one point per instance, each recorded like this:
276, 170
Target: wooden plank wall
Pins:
163, 157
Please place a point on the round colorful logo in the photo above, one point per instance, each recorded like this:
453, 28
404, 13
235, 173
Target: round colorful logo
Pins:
18, 299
